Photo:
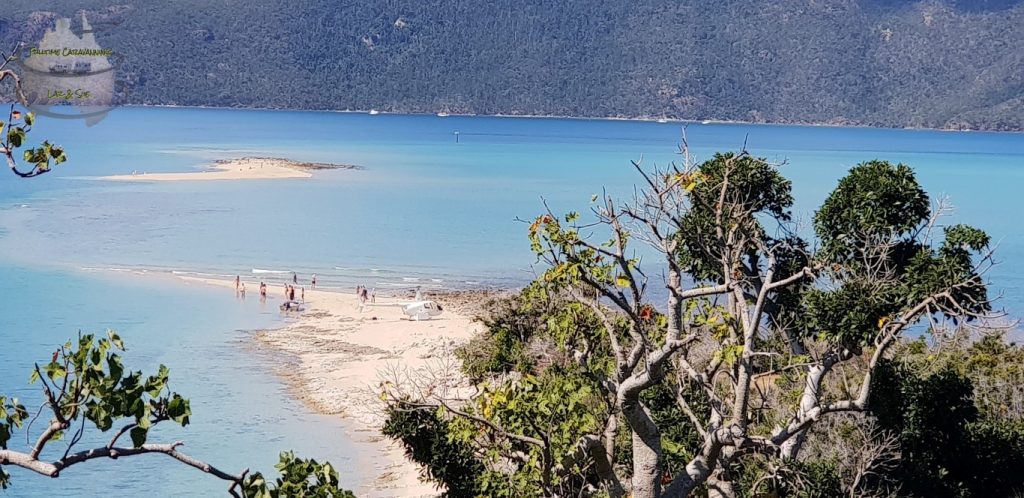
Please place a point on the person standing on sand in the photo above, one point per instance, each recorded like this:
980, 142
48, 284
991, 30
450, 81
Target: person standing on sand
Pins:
303, 294
286, 292
291, 293
295, 278
237, 281
312, 283
242, 290
373, 295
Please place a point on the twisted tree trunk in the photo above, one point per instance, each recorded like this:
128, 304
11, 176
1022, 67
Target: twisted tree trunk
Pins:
720, 486
647, 452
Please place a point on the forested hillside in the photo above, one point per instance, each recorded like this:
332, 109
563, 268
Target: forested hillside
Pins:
935, 63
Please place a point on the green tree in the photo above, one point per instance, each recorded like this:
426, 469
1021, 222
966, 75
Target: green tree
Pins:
86, 384
13, 133
751, 312
951, 406
430, 442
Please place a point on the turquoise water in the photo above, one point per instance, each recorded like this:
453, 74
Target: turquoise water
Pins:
242, 415
426, 211
426, 207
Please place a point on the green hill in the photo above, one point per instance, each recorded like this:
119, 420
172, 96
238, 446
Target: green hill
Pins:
935, 63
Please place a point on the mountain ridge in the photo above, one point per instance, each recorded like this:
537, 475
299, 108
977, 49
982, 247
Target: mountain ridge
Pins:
908, 64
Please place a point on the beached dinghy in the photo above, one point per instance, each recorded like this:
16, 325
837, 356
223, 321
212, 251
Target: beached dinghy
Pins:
291, 306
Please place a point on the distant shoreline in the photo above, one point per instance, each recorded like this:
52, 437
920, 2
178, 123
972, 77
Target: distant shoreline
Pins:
636, 119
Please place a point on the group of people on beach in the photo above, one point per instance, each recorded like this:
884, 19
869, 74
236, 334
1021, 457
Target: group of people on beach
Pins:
366, 295
289, 290
312, 280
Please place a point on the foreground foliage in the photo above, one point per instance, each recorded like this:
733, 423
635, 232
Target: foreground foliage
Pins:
86, 385
14, 132
776, 367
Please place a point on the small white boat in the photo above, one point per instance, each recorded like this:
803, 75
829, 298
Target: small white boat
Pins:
374, 112
663, 120
442, 114
706, 121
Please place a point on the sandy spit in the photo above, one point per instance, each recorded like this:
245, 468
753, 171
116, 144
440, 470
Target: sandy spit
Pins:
336, 356
246, 168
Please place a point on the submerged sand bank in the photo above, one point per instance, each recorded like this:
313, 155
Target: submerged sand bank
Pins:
246, 168
338, 353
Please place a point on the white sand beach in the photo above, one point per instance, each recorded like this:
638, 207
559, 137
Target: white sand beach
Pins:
339, 353
246, 168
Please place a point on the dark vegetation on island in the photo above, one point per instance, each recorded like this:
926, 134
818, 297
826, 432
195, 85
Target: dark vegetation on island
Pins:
952, 64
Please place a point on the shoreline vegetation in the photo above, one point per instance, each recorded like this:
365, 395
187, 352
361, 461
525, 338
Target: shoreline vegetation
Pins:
917, 63
335, 357
639, 118
245, 168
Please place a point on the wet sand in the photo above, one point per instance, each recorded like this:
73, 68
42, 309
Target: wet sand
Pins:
335, 354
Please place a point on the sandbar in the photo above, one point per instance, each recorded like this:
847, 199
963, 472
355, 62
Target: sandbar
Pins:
337, 353
245, 168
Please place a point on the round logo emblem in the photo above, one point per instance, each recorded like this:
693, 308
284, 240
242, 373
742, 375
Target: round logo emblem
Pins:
70, 76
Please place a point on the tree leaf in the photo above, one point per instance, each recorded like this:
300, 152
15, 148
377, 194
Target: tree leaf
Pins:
139, 436
115, 339
16, 136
